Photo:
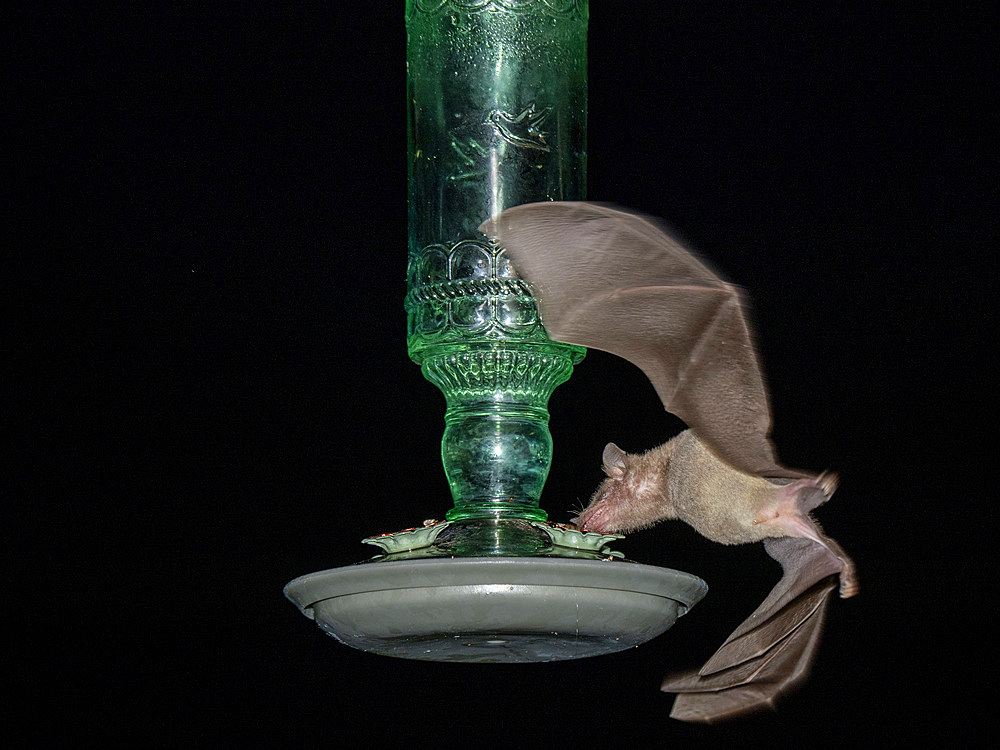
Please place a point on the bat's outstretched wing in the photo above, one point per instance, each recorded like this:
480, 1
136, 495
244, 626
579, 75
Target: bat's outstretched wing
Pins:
805, 563
755, 684
771, 651
611, 280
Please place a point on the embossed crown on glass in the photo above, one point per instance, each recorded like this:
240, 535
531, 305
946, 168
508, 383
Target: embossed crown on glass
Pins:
497, 105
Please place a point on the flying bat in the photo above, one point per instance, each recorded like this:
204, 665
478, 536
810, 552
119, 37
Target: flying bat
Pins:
612, 280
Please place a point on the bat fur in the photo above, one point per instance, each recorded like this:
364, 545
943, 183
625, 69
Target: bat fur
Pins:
612, 280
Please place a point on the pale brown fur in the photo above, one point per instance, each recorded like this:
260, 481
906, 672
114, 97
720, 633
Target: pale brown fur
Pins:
635, 494
720, 502
680, 479
684, 479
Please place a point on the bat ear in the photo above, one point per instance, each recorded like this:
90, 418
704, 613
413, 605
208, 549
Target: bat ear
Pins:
614, 461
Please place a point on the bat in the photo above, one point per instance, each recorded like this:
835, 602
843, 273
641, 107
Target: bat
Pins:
612, 280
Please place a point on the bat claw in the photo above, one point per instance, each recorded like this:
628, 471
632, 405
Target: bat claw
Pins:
848, 584
828, 482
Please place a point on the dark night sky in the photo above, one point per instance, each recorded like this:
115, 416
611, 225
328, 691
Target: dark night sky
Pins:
221, 399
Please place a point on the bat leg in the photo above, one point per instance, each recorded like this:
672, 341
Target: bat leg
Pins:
789, 517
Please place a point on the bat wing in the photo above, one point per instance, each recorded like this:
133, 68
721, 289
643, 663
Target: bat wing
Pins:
771, 651
611, 280
804, 563
758, 683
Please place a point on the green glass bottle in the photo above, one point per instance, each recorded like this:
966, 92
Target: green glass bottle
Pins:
497, 115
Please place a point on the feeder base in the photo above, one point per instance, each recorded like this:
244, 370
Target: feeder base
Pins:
495, 609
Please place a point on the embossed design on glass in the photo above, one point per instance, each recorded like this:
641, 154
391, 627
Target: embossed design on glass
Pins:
522, 129
496, 118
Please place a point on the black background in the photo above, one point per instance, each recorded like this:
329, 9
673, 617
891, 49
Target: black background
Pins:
220, 398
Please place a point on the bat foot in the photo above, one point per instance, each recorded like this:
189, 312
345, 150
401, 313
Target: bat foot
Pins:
808, 494
828, 482
849, 585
